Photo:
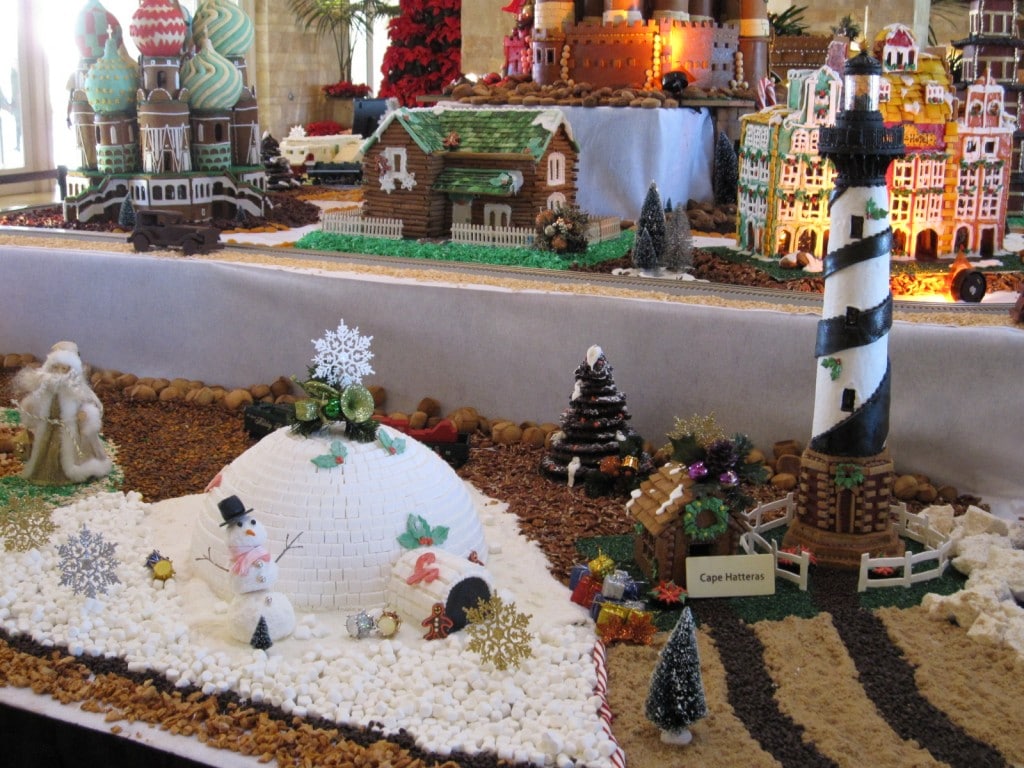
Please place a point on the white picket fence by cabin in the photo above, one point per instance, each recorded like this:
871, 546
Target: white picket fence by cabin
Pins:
753, 542
339, 223
914, 527
501, 237
603, 228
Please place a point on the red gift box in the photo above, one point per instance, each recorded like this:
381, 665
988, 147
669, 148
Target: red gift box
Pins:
586, 589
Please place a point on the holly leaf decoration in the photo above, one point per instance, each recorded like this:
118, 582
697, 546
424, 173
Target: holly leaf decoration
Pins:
332, 459
393, 445
875, 211
834, 366
419, 533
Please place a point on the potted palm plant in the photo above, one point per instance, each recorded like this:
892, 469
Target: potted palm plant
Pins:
342, 22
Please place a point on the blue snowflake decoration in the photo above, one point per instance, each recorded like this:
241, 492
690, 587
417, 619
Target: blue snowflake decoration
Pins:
87, 564
342, 356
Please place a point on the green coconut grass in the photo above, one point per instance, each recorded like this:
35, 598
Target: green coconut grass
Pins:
788, 600
473, 254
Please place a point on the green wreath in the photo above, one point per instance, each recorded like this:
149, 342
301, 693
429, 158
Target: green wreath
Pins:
706, 533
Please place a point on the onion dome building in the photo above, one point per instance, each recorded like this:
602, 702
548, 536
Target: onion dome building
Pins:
94, 24
110, 87
177, 130
159, 29
846, 473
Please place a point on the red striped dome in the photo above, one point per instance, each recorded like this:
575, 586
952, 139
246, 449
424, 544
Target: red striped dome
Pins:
158, 28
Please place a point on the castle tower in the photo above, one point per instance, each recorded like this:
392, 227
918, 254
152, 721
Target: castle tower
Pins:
671, 9
549, 18
751, 16
846, 473
93, 26
623, 10
110, 87
158, 29
214, 85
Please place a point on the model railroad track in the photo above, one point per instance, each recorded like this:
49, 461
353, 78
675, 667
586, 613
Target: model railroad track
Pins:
567, 278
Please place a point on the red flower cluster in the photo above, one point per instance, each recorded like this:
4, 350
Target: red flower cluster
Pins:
324, 128
425, 51
346, 90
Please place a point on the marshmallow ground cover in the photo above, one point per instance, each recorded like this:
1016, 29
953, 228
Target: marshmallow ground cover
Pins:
546, 711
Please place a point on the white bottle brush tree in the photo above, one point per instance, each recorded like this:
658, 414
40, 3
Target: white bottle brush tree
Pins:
675, 700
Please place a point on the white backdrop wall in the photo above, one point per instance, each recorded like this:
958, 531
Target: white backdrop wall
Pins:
956, 390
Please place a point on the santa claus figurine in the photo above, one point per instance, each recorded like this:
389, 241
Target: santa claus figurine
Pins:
65, 419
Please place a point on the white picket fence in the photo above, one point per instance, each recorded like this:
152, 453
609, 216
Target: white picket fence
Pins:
502, 237
603, 228
913, 527
339, 223
753, 542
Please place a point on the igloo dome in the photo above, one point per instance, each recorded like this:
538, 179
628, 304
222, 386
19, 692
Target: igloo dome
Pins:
348, 518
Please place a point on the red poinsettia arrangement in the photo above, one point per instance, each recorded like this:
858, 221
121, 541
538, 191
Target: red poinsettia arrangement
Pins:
343, 89
669, 592
324, 128
425, 52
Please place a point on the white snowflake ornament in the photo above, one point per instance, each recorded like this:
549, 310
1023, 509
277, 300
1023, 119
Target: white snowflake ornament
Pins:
87, 564
342, 356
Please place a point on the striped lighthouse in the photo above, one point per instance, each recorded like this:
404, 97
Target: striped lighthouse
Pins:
843, 504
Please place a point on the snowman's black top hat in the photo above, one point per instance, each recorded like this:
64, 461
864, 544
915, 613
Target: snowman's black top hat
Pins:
231, 508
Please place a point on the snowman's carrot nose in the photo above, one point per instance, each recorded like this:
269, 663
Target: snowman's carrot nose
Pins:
250, 532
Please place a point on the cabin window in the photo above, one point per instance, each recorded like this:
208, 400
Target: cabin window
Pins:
556, 169
496, 215
392, 165
396, 160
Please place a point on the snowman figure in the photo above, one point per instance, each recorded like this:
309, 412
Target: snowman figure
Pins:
252, 575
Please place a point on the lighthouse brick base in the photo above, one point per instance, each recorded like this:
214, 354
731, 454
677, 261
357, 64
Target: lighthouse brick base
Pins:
839, 524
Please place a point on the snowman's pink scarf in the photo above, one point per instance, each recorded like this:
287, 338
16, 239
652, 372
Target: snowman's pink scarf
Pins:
242, 558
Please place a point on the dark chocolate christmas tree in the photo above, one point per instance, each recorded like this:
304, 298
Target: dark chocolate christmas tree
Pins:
675, 700
260, 639
594, 429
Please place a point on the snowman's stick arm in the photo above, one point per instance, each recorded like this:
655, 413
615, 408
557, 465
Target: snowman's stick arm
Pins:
288, 544
210, 560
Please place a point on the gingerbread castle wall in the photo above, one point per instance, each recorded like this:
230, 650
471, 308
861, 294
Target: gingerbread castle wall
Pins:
622, 49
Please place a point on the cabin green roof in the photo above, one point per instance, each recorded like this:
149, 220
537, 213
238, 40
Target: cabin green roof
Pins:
494, 182
480, 131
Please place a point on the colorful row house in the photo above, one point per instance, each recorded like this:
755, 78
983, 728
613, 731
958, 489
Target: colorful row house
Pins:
948, 194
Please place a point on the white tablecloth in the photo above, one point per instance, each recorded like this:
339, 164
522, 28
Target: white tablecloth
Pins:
511, 354
622, 150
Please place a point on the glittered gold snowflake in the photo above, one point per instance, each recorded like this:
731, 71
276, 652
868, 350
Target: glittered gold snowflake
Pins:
498, 632
703, 429
25, 523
